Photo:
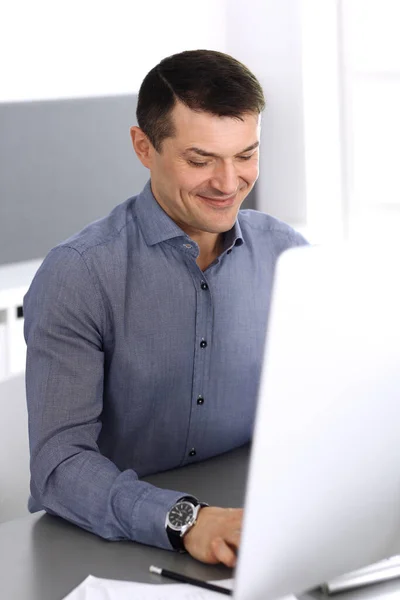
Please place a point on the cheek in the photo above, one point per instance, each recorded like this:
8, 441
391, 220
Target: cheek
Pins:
249, 172
193, 179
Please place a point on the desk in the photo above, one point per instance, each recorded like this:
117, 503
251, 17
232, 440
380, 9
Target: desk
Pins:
44, 557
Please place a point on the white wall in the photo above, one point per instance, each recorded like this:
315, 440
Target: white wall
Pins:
15, 280
291, 45
266, 36
372, 134
14, 453
76, 48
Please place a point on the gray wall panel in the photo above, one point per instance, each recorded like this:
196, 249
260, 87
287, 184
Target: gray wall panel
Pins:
62, 164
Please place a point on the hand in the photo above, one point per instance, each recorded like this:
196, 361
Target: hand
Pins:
215, 537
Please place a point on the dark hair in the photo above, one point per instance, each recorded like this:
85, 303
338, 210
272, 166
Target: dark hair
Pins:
203, 80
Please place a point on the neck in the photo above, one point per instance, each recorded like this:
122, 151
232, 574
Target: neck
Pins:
210, 246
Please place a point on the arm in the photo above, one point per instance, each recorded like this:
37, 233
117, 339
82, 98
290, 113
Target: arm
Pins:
65, 324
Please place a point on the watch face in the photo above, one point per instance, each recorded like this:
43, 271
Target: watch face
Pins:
181, 514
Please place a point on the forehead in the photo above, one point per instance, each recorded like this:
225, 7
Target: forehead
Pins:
222, 135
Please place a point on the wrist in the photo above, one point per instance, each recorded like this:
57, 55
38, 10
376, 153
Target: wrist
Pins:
195, 531
181, 519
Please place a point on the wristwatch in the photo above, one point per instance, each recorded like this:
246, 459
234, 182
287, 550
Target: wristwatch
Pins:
180, 519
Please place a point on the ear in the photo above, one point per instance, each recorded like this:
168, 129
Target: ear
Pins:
143, 147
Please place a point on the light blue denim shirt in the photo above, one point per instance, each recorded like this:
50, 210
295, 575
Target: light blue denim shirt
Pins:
140, 362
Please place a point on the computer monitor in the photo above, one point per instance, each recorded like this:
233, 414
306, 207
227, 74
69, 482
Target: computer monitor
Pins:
323, 494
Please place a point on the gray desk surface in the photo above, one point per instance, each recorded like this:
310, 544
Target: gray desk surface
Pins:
44, 558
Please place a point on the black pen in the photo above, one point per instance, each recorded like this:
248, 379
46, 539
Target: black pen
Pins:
185, 579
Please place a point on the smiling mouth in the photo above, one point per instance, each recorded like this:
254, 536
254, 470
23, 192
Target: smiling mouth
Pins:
222, 202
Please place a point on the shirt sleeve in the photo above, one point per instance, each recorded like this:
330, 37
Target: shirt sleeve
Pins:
65, 321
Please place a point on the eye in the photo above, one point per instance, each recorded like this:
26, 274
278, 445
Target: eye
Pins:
197, 164
245, 157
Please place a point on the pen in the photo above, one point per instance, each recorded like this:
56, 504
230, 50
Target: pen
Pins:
191, 580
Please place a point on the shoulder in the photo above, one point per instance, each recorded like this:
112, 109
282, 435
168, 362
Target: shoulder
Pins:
96, 247
261, 228
76, 262
108, 230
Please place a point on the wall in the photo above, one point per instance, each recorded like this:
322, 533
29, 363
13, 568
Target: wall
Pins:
371, 64
293, 48
14, 453
268, 39
63, 164
80, 48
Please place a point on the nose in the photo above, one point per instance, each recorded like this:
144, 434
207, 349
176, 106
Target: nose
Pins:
225, 179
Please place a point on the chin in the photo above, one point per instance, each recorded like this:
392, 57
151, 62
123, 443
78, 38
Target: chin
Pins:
220, 227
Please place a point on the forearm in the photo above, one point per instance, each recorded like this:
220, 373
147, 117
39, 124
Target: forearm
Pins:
87, 489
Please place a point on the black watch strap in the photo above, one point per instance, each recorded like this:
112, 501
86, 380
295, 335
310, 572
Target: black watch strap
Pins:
176, 540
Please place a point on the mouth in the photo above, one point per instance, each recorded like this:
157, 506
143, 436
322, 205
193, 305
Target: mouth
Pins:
219, 202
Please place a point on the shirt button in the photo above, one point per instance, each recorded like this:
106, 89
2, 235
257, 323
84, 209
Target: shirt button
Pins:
200, 400
203, 344
192, 452
204, 286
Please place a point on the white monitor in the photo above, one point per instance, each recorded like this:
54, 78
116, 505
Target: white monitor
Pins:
323, 494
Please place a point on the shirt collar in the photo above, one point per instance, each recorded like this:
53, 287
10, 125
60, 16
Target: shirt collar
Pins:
233, 237
155, 224
158, 227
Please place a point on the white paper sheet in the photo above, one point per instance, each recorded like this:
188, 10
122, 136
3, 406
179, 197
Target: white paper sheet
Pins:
94, 588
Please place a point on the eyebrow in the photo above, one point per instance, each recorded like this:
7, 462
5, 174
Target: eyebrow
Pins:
206, 153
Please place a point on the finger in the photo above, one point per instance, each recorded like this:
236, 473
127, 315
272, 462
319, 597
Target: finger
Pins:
233, 538
223, 552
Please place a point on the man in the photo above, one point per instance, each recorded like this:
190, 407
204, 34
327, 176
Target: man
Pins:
145, 331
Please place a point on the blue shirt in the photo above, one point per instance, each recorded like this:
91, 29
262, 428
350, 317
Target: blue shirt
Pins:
140, 362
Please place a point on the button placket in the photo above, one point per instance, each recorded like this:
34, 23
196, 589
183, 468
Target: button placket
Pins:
198, 419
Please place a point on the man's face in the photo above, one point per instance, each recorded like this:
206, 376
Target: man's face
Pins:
203, 173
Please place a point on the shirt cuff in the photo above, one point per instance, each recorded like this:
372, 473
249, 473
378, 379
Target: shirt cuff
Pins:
149, 514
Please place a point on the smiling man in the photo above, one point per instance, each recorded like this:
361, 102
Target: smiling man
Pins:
145, 331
